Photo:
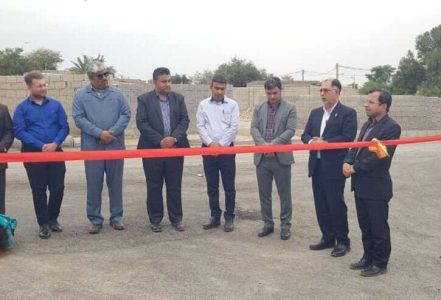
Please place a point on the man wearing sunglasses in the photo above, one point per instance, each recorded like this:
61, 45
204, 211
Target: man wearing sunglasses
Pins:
102, 114
331, 123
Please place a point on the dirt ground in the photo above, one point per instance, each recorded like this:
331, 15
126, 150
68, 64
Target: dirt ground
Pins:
197, 264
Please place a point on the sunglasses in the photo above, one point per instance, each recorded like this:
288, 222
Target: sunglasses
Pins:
102, 76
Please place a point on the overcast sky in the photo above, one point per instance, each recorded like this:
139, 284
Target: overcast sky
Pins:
188, 35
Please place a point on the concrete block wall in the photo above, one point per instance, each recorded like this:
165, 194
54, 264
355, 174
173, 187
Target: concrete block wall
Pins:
417, 115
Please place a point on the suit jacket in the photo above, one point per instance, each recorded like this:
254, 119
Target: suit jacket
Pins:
341, 127
6, 131
150, 124
372, 178
285, 127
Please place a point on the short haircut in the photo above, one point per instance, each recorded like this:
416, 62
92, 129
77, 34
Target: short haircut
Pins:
385, 97
28, 77
272, 83
159, 72
335, 83
219, 79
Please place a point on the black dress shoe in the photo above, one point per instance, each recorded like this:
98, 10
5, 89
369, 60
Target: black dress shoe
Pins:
117, 225
229, 225
265, 231
178, 226
373, 270
212, 223
55, 226
156, 227
323, 244
44, 232
285, 234
363, 263
340, 250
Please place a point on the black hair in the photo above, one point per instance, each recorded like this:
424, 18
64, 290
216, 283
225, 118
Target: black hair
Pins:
335, 83
219, 79
272, 83
159, 72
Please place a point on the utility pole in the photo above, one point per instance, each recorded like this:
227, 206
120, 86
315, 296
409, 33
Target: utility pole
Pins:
336, 70
303, 75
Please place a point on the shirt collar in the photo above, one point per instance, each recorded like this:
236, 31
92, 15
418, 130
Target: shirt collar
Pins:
45, 100
222, 101
159, 98
326, 111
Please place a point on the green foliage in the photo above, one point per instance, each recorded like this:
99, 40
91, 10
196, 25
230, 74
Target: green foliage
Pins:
82, 64
44, 59
239, 72
180, 79
12, 62
409, 76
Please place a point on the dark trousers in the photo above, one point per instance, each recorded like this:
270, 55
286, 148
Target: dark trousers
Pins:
226, 166
2, 191
43, 176
158, 170
372, 217
330, 206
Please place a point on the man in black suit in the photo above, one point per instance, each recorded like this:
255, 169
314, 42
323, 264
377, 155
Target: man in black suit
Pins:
332, 123
6, 139
162, 119
372, 184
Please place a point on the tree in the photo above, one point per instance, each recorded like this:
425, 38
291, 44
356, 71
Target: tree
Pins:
379, 78
81, 65
203, 77
428, 46
287, 77
12, 62
410, 74
44, 59
180, 79
381, 74
239, 72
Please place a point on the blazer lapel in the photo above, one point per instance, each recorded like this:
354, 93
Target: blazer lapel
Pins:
264, 117
280, 111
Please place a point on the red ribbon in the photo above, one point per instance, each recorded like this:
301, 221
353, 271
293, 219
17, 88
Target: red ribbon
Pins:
176, 152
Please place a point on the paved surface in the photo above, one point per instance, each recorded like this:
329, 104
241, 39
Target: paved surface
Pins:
198, 264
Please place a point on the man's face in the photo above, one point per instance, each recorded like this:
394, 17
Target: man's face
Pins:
163, 84
38, 88
273, 95
218, 91
372, 106
328, 93
99, 81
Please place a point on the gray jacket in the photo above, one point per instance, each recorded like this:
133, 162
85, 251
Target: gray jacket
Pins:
93, 114
286, 122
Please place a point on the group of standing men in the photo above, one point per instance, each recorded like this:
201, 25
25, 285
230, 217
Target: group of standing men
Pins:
102, 114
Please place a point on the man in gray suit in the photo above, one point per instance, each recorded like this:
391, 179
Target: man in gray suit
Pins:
274, 123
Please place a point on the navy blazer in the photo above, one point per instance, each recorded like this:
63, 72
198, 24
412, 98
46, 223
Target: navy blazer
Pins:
150, 124
372, 178
341, 127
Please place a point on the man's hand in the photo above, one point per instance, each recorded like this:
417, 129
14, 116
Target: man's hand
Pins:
52, 147
269, 154
168, 142
106, 137
348, 170
317, 140
215, 144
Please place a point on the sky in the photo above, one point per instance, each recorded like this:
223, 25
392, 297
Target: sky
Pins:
280, 36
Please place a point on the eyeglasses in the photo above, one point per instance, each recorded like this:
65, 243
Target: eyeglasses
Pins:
325, 91
101, 76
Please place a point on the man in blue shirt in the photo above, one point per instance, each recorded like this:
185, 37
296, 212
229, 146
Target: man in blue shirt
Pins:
40, 123
102, 114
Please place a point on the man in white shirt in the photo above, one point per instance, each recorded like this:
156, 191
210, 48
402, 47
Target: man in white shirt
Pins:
331, 123
218, 123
